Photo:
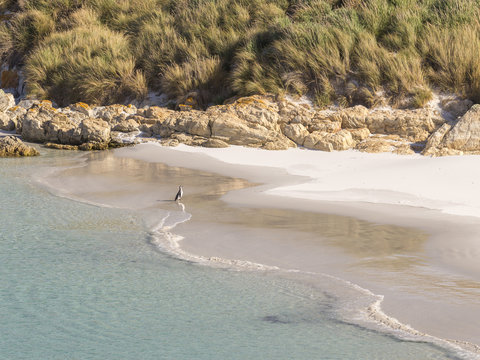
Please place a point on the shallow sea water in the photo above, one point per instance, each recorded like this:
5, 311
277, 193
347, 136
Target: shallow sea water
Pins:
84, 282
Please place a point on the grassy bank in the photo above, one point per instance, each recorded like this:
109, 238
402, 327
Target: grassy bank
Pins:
344, 51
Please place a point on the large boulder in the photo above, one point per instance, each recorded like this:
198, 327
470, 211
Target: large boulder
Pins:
31, 125
321, 140
326, 125
353, 117
360, 134
251, 121
191, 122
414, 125
32, 128
257, 111
13, 146
434, 142
62, 130
94, 131
296, 133
6, 101
465, 135
14, 116
126, 126
295, 112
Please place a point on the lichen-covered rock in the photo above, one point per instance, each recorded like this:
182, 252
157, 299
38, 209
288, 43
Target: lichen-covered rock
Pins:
321, 140
82, 108
28, 103
15, 115
296, 133
6, 101
465, 134
12, 146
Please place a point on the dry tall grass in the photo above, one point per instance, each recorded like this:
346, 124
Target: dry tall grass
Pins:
220, 48
91, 64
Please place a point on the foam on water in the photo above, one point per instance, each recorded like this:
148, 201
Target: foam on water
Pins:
354, 304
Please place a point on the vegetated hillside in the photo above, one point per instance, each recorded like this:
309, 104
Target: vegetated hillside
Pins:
344, 51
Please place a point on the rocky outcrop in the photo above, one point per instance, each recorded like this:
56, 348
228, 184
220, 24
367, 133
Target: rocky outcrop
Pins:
414, 125
11, 146
256, 121
461, 138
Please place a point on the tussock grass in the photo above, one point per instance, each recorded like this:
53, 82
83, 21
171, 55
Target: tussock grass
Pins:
92, 64
452, 58
221, 48
201, 76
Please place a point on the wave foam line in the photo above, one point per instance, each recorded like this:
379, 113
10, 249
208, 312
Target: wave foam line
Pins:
367, 316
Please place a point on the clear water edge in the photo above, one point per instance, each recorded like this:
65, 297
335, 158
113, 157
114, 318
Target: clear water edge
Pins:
80, 281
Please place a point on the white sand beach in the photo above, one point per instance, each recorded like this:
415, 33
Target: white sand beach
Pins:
404, 227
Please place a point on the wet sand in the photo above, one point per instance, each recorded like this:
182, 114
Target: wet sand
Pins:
425, 263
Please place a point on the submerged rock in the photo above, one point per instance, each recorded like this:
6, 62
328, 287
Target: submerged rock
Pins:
12, 146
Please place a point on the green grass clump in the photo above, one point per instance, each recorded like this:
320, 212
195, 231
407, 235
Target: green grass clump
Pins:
346, 51
91, 64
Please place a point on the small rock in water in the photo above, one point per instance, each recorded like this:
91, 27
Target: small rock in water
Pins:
12, 146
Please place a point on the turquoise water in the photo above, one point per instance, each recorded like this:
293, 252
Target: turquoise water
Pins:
83, 282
